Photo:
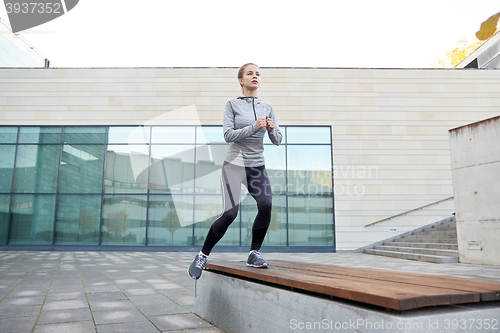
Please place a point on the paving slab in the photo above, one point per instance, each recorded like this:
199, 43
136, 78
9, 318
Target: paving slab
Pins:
124, 282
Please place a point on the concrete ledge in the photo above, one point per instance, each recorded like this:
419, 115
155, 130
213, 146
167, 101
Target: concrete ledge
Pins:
237, 305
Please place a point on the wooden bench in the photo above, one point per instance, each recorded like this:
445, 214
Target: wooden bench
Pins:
388, 289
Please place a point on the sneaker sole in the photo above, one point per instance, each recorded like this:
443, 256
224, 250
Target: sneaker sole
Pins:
193, 277
261, 266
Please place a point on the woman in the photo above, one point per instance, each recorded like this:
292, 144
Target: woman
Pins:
246, 120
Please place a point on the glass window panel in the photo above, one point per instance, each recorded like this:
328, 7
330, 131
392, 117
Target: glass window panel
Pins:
276, 167
40, 135
32, 219
7, 155
207, 209
124, 220
127, 169
309, 169
8, 134
4, 216
276, 234
82, 169
210, 134
310, 221
172, 169
170, 220
77, 219
37, 168
209, 161
308, 135
82, 134
283, 134
173, 134
130, 135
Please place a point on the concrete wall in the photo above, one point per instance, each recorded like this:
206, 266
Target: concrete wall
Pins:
475, 161
389, 126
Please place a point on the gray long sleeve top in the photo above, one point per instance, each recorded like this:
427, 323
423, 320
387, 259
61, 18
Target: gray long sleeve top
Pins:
246, 140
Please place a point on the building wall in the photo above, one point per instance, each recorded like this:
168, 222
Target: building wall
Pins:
389, 126
475, 160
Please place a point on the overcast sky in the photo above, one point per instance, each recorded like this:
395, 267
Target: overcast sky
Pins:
271, 33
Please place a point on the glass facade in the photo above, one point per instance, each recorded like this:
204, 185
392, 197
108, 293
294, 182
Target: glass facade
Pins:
155, 186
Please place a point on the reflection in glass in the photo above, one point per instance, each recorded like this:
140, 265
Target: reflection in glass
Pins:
40, 135
308, 135
77, 219
81, 169
37, 168
170, 220
8, 134
126, 169
32, 219
124, 220
172, 169
4, 216
276, 167
276, 234
210, 134
310, 221
173, 134
7, 154
130, 135
82, 134
209, 161
309, 169
207, 209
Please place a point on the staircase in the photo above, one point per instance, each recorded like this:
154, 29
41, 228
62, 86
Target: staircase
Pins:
436, 243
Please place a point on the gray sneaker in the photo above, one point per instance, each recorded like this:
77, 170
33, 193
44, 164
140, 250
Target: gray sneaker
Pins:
255, 260
196, 266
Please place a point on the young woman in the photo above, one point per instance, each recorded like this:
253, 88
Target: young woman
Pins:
246, 120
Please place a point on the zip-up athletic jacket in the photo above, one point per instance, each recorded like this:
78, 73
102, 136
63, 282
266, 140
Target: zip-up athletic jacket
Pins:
246, 146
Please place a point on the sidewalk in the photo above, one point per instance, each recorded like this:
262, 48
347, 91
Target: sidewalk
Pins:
141, 291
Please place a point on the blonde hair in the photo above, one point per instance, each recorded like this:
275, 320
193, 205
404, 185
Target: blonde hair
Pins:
242, 69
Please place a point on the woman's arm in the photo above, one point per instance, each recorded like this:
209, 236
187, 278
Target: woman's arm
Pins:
234, 135
275, 134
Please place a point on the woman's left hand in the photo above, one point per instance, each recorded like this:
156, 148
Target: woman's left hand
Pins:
269, 123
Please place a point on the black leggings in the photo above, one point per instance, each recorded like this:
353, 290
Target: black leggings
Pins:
257, 182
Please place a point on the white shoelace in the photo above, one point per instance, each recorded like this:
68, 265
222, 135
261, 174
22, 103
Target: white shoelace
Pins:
201, 261
257, 253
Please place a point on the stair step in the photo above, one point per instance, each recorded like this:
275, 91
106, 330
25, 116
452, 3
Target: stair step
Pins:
443, 228
413, 256
434, 252
424, 245
436, 233
428, 240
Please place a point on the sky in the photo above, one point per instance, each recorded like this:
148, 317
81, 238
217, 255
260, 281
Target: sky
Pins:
270, 33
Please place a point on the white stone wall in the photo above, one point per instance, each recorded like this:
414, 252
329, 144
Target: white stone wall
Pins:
475, 160
389, 126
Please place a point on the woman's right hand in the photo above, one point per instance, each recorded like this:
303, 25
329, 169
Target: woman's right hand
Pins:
261, 123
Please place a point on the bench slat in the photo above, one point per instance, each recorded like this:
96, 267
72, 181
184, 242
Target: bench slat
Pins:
489, 291
368, 286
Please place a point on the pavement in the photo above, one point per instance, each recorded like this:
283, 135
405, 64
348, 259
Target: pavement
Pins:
42, 292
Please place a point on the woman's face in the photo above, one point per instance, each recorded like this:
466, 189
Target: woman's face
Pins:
251, 78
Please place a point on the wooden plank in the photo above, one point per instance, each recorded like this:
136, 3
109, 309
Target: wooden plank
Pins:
489, 291
387, 294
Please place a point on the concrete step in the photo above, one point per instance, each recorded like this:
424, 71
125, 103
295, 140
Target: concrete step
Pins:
445, 228
406, 249
441, 246
435, 233
428, 239
413, 256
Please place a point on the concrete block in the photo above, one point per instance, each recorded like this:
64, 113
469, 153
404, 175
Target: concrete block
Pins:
239, 306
